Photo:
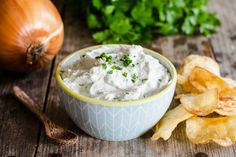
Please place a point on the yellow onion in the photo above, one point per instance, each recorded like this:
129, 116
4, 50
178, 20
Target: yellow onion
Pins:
31, 34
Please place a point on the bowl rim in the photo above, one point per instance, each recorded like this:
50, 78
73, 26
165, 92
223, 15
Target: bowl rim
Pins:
163, 59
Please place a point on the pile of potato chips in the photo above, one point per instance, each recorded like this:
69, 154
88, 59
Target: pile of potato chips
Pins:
202, 92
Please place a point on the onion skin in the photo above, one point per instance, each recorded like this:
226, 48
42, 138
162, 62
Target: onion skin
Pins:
31, 34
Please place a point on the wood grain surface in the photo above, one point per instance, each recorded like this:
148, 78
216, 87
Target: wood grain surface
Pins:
21, 134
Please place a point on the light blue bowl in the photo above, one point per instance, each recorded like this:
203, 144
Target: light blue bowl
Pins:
115, 121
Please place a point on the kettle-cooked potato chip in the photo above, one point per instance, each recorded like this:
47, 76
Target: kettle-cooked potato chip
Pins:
201, 104
220, 130
204, 80
187, 87
226, 111
192, 61
169, 122
228, 94
226, 108
201, 91
230, 81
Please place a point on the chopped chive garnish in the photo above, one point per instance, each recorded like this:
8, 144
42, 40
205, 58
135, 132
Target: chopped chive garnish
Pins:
105, 57
104, 66
109, 59
110, 72
114, 67
125, 74
117, 99
81, 84
133, 65
126, 60
144, 79
133, 78
83, 56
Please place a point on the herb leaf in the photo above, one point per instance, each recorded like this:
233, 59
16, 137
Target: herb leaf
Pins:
133, 78
110, 72
134, 22
144, 79
126, 60
125, 74
105, 57
104, 66
114, 67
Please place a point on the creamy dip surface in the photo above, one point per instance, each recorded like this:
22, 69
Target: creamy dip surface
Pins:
116, 73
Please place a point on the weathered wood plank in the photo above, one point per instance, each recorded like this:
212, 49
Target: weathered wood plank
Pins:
224, 43
175, 48
19, 129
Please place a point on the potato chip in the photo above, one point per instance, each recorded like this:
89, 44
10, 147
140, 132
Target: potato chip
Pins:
230, 81
178, 96
226, 108
229, 103
227, 111
184, 86
201, 104
201, 61
220, 130
181, 79
179, 89
201, 91
188, 87
204, 80
169, 122
228, 94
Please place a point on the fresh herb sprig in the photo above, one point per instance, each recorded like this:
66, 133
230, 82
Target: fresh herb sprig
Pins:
137, 21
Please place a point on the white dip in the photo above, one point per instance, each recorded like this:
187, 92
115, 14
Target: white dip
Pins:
116, 73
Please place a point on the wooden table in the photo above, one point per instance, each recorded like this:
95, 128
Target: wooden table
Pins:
21, 134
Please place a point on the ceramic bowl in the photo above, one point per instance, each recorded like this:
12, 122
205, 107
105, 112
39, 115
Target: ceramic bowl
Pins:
115, 121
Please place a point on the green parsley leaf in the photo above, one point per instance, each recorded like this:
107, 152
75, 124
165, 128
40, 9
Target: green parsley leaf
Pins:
142, 14
102, 36
93, 21
109, 9
97, 4
121, 26
139, 21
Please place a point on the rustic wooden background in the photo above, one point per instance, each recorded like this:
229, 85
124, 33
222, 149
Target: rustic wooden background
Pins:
21, 134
